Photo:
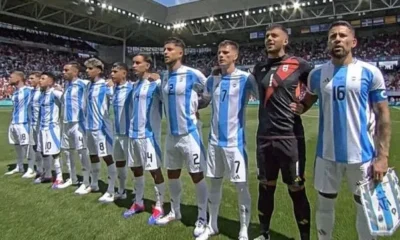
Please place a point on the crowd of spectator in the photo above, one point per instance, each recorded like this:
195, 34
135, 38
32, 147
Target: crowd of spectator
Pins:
16, 57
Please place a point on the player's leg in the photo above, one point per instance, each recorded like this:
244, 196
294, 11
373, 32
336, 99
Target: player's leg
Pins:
173, 162
94, 162
293, 156
31, 153
357, 173
38, 160
18, 135
216, 170
327, 179
194, 152
120, 154
137, 157
104, 148
52, 146
45, 177
153, 164
268, 171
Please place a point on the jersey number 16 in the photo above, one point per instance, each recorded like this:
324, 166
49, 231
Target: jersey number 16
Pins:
339, 93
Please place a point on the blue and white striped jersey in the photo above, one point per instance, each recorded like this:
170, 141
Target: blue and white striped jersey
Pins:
98, 110
75, 101
180, 90
229, 95
50, 107
122, 100
35, 106
21, 99
147, 110
346, 95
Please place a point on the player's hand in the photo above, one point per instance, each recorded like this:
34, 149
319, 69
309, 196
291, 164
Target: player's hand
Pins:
216, 71
110, 83
154, 77
58, 87
379, 168
297, 107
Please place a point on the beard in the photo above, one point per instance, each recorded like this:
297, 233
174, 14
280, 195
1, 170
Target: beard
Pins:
339, 53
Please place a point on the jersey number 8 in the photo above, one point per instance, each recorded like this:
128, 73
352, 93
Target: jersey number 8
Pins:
339, 93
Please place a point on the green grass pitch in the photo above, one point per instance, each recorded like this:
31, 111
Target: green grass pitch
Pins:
31, 211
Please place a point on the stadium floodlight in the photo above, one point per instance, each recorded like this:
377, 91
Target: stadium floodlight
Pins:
316, 2
260, 11
92, 2
123, 12
296, 5
198, 21
233, 15
283, 7
86, 1
141, 18
264, 10
207, 20
303, 4
254, 12
119, 10
271, 9
150, 21
110, 7
227, 16
103, 5
221, 17
246, 13
308, 3
202, 20
168, 27
192, 22
211, 19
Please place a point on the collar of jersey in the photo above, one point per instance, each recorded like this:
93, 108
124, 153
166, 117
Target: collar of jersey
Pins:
100, 81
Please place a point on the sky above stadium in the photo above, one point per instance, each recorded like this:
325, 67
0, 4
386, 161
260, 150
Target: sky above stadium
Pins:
169, 3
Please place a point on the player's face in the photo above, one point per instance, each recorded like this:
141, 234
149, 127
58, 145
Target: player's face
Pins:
275, 40
93, 72
227, 55
45, 82
139, 65
341, 41
117, 75
14, 79
69, 72
34, 80
172, 53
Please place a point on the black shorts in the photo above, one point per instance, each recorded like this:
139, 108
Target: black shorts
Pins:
287, 155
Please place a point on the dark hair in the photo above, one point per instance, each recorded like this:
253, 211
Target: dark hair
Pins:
176, 41
231, 43
343, 23
50, 75
147, 58
120, 65
75, 64
279, 26
36, 74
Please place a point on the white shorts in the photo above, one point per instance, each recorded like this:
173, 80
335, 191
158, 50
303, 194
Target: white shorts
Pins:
185, 149
120, 150
144, 152
18, 134
99, 143
49, 141
34, 135
73, 136
328, 175
227, 161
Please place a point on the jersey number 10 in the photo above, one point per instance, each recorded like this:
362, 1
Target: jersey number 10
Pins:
339, 93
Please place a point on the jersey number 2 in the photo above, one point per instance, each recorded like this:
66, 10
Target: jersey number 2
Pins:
339, 93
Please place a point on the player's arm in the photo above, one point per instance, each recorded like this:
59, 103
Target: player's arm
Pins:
252, 86
199, 88
378, 97
205, 96
310, 80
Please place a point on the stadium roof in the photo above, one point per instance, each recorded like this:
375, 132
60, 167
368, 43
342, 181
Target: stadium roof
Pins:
148, 23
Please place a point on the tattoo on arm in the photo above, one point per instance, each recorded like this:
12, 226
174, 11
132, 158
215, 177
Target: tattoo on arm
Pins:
383, 128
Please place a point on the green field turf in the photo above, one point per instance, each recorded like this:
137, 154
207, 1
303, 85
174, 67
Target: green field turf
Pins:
31, 211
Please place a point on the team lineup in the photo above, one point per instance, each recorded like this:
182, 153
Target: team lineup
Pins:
353, 137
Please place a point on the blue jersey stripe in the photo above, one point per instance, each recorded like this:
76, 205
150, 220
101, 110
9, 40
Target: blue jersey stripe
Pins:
27, 97
81, 116
90, 114
223, 122
149, 102
367, 149
54, 137
172, 114
127, 109
314, 82
339, 105
16, 108
188, 103
242, 109
136, 103
100, 101
68, 103
116, 110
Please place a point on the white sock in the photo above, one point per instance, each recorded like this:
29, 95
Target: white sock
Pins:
112, 175
70, 161
325, 217
139, 188
362, 224
160, 193
175, 190
122, 172
21, 154
244, 202
31, 159
83, 156
57, 168
214, 201
39, 162
47, 166
95, 174
201, 194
